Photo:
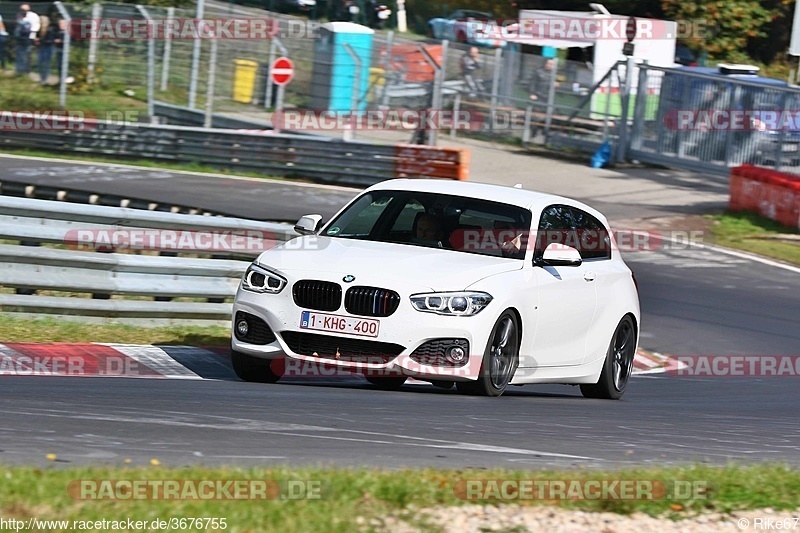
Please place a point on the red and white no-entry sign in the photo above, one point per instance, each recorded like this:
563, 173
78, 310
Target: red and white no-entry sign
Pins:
282, 71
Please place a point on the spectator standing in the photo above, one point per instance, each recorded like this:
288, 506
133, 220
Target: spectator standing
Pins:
470, 68
58, 39
46, 43
3, 40
25, 32
540, 82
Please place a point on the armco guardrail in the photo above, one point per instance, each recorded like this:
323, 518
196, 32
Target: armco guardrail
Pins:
318, 158
31, 268
770, 193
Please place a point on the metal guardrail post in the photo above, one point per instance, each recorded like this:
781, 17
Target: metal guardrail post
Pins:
349, 134
607, 110
212, 74
498, 58
151, 61
622, 148
268, 89
167, 52
681, 149
526, 134
62, 89
640, 108
782, 133
97, 12
551, 100
387, 66
456, 111
195, 58
438, 83
281, 88
735, 99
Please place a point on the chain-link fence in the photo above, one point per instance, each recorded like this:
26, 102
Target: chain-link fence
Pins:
706, 119
652, 114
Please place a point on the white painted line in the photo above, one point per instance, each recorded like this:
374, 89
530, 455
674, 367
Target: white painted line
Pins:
646, 361
185, 172
156, 359
736, 253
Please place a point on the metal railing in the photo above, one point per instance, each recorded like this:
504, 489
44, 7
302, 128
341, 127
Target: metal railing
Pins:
124, 285
319, 158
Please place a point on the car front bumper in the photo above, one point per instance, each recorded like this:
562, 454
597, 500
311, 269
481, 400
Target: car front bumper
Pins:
406, 327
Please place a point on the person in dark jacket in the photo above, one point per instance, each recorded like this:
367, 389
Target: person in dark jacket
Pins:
58, 39
540, 82
3, 40
45, 40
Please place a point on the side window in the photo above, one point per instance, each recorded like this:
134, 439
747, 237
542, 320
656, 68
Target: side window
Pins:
404, 222
593, 241
555, 226
361, 217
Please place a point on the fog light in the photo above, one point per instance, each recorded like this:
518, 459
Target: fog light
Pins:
242, 328
456, 354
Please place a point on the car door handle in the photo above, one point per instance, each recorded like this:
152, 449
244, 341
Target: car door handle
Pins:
589, 276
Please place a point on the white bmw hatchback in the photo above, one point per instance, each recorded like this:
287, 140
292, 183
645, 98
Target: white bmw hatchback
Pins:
461, 283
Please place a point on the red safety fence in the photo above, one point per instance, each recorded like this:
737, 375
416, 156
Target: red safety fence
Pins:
769, 193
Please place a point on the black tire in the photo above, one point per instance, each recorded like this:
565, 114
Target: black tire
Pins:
618, 364
502, 356
254, 369
431, 33
386, 383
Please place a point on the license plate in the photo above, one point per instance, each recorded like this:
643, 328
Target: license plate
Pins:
348, 325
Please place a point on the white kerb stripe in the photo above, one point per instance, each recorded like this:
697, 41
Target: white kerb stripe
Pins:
155, 358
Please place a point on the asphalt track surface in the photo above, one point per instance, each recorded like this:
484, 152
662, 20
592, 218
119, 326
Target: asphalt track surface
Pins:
694, 302
257, 199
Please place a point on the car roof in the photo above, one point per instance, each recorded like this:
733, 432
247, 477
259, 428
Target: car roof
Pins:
527, 199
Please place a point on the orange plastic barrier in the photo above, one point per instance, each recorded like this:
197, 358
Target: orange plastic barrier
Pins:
409, 60
770, 193
417, 161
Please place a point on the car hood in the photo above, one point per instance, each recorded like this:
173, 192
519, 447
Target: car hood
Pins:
439, 270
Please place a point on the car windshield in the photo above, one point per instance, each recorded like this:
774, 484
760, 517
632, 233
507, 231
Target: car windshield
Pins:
469, 225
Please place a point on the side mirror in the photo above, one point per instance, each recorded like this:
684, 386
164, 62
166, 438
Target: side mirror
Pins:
560, 255
307, 225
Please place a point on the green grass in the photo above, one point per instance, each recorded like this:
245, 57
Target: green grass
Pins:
350, 498
17, 329
24, 94
750, 232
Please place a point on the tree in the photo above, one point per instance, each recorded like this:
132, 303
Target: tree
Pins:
730, 24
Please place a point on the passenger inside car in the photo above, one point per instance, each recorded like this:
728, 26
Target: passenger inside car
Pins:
428, 230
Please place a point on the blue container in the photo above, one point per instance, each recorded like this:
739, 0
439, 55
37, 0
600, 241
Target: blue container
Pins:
334, 77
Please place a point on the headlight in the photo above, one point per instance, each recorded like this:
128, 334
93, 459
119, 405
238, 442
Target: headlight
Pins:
451, 303
259, 279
